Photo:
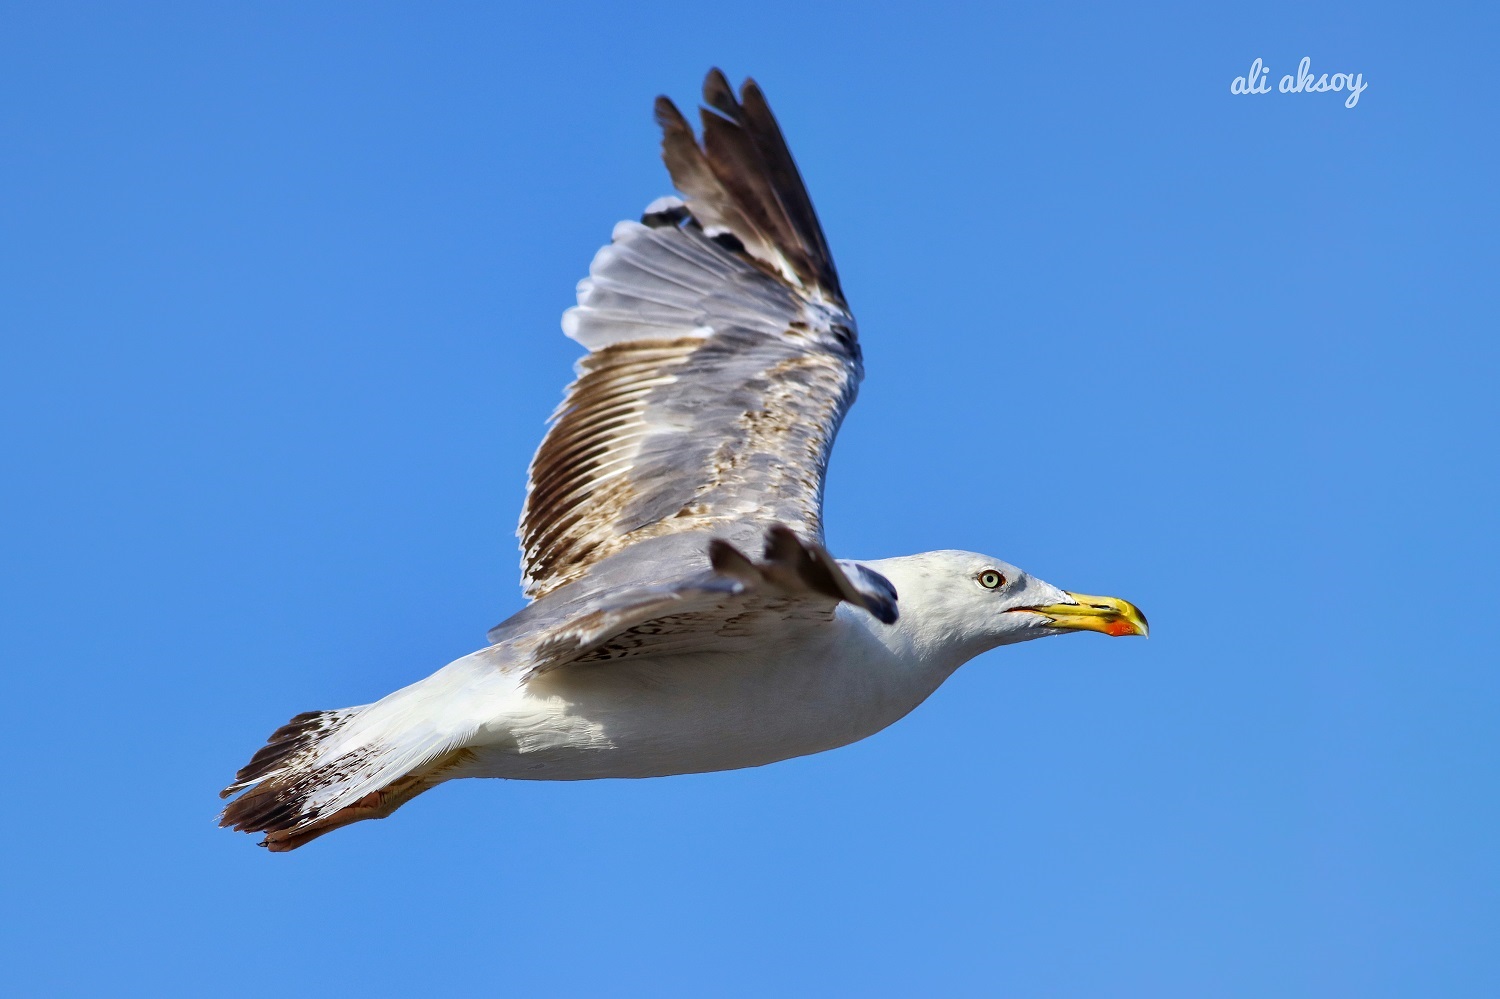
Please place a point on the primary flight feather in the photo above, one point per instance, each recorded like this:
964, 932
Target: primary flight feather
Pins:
684, 616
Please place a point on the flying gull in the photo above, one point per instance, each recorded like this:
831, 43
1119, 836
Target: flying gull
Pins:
684, 616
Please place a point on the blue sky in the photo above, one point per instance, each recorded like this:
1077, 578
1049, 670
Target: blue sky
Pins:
279, 290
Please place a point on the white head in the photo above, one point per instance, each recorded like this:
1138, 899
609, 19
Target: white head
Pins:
955, 605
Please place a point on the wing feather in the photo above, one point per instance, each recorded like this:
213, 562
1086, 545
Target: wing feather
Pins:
721, 358
736, 604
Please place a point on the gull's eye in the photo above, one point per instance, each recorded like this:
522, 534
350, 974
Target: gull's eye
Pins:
990, 579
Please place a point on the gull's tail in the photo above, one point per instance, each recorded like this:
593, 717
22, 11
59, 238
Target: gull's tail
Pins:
326, 769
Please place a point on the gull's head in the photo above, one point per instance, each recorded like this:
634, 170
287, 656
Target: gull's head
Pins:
968, 603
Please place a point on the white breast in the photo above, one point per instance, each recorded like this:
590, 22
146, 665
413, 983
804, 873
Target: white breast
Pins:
691, 714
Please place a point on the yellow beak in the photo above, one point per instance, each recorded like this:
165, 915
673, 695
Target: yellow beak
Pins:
1106, 615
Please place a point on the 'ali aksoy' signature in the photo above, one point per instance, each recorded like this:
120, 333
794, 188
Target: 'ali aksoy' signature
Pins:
1258, 81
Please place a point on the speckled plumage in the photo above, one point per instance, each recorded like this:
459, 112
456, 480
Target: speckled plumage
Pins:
684, 615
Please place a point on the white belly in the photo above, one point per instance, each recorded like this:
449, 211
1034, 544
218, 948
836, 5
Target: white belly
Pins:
689, 714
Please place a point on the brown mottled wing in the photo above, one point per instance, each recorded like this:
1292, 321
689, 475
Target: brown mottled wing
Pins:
721, 358
737, 604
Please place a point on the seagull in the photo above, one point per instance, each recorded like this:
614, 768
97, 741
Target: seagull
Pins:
683, 615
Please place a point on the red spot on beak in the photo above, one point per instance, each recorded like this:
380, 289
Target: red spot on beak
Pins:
1119, 629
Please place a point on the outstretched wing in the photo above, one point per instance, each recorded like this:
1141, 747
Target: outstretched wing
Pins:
738, 604
722, 358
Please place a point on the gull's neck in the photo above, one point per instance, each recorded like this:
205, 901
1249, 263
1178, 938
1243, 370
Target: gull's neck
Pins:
931, 634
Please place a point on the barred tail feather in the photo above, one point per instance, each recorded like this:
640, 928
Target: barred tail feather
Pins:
326, 769
288, 745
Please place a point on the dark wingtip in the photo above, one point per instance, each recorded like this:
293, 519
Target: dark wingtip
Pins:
879, 594
727, 560
716, 88
741, 176
782, 543
666, 112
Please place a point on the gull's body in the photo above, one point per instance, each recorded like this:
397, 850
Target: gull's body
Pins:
722, 358
695, 713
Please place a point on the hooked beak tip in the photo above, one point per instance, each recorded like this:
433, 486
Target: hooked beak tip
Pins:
1106, 615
